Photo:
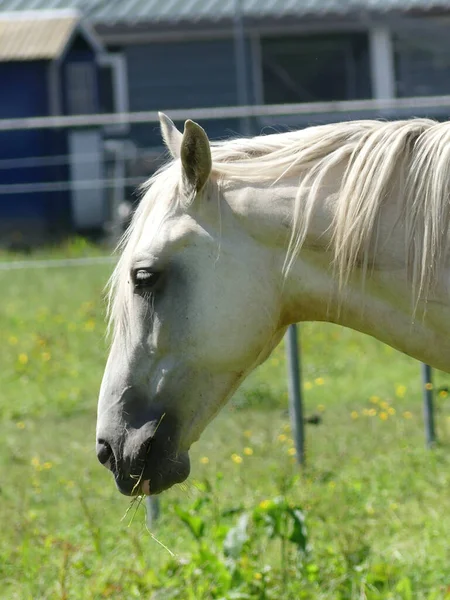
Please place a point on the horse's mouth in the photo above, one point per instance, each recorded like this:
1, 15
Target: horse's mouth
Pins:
158, 479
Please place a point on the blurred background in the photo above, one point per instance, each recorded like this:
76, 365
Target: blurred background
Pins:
99, 70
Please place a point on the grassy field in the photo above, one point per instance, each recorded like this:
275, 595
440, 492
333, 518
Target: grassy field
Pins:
368, 518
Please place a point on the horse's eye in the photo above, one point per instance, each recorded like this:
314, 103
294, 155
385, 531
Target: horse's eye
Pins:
144, 279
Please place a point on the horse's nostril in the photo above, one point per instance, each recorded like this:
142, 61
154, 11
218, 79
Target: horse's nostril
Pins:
104, 452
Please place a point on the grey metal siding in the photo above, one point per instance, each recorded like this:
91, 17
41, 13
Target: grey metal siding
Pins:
190, 74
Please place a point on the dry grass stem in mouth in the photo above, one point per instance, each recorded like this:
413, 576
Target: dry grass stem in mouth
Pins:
139, 478
159, 542
133, 501
138, 501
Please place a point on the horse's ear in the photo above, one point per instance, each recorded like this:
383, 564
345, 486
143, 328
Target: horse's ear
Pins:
171, 136
195, 156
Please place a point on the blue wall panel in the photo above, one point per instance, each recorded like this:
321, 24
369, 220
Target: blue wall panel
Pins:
25, 94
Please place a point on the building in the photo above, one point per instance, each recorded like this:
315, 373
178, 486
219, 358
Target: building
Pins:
49, 66
183, 54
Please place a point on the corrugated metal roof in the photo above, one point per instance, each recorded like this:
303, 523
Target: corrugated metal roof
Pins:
175, 11
217, 10
27, 36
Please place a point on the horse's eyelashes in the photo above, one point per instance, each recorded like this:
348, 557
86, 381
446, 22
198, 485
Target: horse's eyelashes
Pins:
145, 279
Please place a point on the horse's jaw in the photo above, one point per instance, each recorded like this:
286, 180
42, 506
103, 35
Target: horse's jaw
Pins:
154, 487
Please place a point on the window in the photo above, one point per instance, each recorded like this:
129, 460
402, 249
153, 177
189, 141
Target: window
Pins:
422, 64
315, 68
106, 85
81, 88
113, 87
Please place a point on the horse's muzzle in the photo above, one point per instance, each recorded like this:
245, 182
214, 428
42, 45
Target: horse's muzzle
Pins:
144, 459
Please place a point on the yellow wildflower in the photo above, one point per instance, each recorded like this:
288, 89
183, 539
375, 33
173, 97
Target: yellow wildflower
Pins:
47, 465
319, 381
307, 385
282, 437
13, 340
407, 414
248, 451
204, 460
354, 415
400, 391
35, 462
372, 412
428, 386
384, 405
236, 459
23, 358
258, 576
46, 356
292, 451
248, 433
391, 410
383, 415
89, 325
264, 504
374, 399
20, 425
321, 408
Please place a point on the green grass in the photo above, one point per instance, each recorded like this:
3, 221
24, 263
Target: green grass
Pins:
376, 502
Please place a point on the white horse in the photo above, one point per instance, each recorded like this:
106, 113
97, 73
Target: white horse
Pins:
234, 241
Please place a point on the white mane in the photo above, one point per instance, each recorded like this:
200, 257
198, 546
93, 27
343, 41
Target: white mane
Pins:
412, 156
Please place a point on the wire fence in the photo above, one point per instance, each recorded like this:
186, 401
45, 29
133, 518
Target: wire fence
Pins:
61, 174
410, 104
56, 263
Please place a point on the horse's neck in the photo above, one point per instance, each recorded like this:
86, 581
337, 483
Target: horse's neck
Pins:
379, 304
266, 213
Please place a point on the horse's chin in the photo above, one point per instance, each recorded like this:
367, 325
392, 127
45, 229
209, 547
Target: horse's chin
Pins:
166, 475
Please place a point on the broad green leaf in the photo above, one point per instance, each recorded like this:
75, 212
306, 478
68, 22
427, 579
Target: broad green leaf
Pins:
195, 524
299, 534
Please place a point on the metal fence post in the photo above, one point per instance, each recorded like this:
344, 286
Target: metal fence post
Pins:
153, 510
295, 392
428, 405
